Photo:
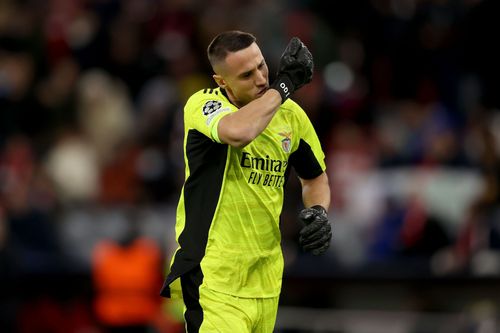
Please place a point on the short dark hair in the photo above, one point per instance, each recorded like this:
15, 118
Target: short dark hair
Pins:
226, 42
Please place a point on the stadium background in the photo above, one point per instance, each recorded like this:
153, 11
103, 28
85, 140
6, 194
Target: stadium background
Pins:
405, 101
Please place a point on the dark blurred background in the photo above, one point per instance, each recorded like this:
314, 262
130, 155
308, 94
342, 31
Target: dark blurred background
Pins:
405, 99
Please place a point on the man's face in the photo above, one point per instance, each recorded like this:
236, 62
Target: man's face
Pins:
244, 75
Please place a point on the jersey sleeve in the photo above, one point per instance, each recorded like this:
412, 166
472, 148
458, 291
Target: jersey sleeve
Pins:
308, 159
203, 112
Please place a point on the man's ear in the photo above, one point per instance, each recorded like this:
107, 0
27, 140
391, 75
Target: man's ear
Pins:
219, 80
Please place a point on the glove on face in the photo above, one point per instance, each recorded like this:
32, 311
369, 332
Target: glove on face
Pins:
295, 69
316, 234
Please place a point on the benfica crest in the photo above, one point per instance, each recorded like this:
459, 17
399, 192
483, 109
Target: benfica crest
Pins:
286, 143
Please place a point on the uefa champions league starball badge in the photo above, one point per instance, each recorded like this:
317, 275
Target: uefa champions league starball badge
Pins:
211, 107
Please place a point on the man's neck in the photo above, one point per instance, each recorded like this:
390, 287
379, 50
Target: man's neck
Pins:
230, 97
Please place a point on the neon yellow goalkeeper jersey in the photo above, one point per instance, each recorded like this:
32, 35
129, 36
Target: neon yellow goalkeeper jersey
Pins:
228, 213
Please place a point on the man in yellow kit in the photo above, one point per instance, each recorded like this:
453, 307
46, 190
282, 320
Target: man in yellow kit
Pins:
241, 139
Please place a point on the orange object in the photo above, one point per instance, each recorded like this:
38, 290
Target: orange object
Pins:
127, 280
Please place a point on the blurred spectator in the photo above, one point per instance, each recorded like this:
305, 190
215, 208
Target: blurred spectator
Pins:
72, 165
477, 246
414, 133
19, 113
127, 276
32, 233
56, 98
119, 178
105, 113
159, 164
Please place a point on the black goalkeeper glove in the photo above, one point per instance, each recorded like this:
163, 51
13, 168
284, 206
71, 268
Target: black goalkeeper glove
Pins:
316, 234
295, 69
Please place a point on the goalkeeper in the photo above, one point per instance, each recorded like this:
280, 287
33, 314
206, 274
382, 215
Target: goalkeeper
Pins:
241, 139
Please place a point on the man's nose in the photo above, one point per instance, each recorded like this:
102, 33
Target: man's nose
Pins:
260, 78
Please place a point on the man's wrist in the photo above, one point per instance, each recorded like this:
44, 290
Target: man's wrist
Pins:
284, 86
320, 209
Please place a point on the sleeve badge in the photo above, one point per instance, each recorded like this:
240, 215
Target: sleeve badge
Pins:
211, 106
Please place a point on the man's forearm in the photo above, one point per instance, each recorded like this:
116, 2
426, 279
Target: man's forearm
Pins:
240, 128
316, 191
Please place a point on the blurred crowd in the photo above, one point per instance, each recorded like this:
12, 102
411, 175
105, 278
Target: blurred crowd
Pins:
404, 99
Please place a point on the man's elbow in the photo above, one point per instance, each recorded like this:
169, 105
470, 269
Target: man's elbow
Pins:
237, 142
237, 138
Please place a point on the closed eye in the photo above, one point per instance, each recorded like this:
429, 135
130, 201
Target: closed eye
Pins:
248, 74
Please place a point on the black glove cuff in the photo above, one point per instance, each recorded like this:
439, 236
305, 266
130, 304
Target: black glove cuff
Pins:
320, 209
284, 86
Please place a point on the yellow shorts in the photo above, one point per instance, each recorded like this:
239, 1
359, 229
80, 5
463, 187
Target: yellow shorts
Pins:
208, 311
